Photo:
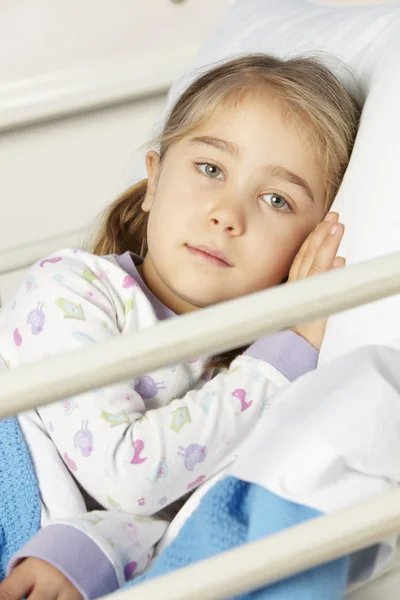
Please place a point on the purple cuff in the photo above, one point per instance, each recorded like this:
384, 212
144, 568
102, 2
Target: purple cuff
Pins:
287, 352
73, 553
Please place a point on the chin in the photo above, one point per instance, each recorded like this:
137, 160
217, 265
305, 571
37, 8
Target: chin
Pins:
200, 298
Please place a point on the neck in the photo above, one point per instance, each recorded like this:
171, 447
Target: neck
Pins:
161, 290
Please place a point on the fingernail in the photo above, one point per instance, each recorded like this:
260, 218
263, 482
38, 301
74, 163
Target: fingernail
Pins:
329, 217
333, 229
336, 262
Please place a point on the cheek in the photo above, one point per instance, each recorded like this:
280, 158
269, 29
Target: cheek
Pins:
175, 197
276, 250
170, 215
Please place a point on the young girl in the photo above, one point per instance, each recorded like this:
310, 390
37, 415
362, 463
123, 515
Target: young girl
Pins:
249, 162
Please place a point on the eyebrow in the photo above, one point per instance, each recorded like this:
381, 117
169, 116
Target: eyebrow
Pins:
217, 143
277, 171
282, 173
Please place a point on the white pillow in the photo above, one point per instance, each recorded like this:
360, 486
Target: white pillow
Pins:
366, 38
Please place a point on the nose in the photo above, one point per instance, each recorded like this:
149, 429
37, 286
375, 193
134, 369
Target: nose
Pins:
228, 216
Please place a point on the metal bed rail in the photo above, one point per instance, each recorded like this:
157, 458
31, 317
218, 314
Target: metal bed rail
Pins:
20, 257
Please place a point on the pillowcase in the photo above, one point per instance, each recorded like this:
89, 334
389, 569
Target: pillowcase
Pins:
355, 39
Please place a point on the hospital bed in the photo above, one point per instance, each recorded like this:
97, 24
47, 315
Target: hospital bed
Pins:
360, 32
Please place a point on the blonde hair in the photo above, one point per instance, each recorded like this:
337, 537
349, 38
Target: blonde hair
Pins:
310, 94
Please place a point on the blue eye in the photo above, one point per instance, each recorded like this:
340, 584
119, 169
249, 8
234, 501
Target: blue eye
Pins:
210, 170
276, 201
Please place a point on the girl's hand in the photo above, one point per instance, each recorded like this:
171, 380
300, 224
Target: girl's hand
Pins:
318, 255
38, 580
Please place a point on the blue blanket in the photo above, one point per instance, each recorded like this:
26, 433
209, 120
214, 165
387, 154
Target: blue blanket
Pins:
234, 512
20, 509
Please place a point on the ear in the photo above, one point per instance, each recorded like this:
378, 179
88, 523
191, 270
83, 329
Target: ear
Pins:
153, 171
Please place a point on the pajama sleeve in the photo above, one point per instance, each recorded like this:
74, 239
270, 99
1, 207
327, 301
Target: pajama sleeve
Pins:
99, 551
125, 455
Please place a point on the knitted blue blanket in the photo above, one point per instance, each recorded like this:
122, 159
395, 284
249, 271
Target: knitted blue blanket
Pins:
20, 510
234, 512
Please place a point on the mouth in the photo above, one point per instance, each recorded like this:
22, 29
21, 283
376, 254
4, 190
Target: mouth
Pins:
210, 255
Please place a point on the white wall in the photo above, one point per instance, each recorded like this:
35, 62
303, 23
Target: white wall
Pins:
60, 55
54, 178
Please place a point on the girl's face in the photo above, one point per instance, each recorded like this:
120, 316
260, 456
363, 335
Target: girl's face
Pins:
230, 205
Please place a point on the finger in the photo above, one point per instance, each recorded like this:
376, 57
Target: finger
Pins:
317, 238
294, 270
315, 241
17, 585
339, 262
331, 217
326, 254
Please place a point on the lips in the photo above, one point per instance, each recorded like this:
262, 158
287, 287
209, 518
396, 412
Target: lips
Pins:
210, 254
